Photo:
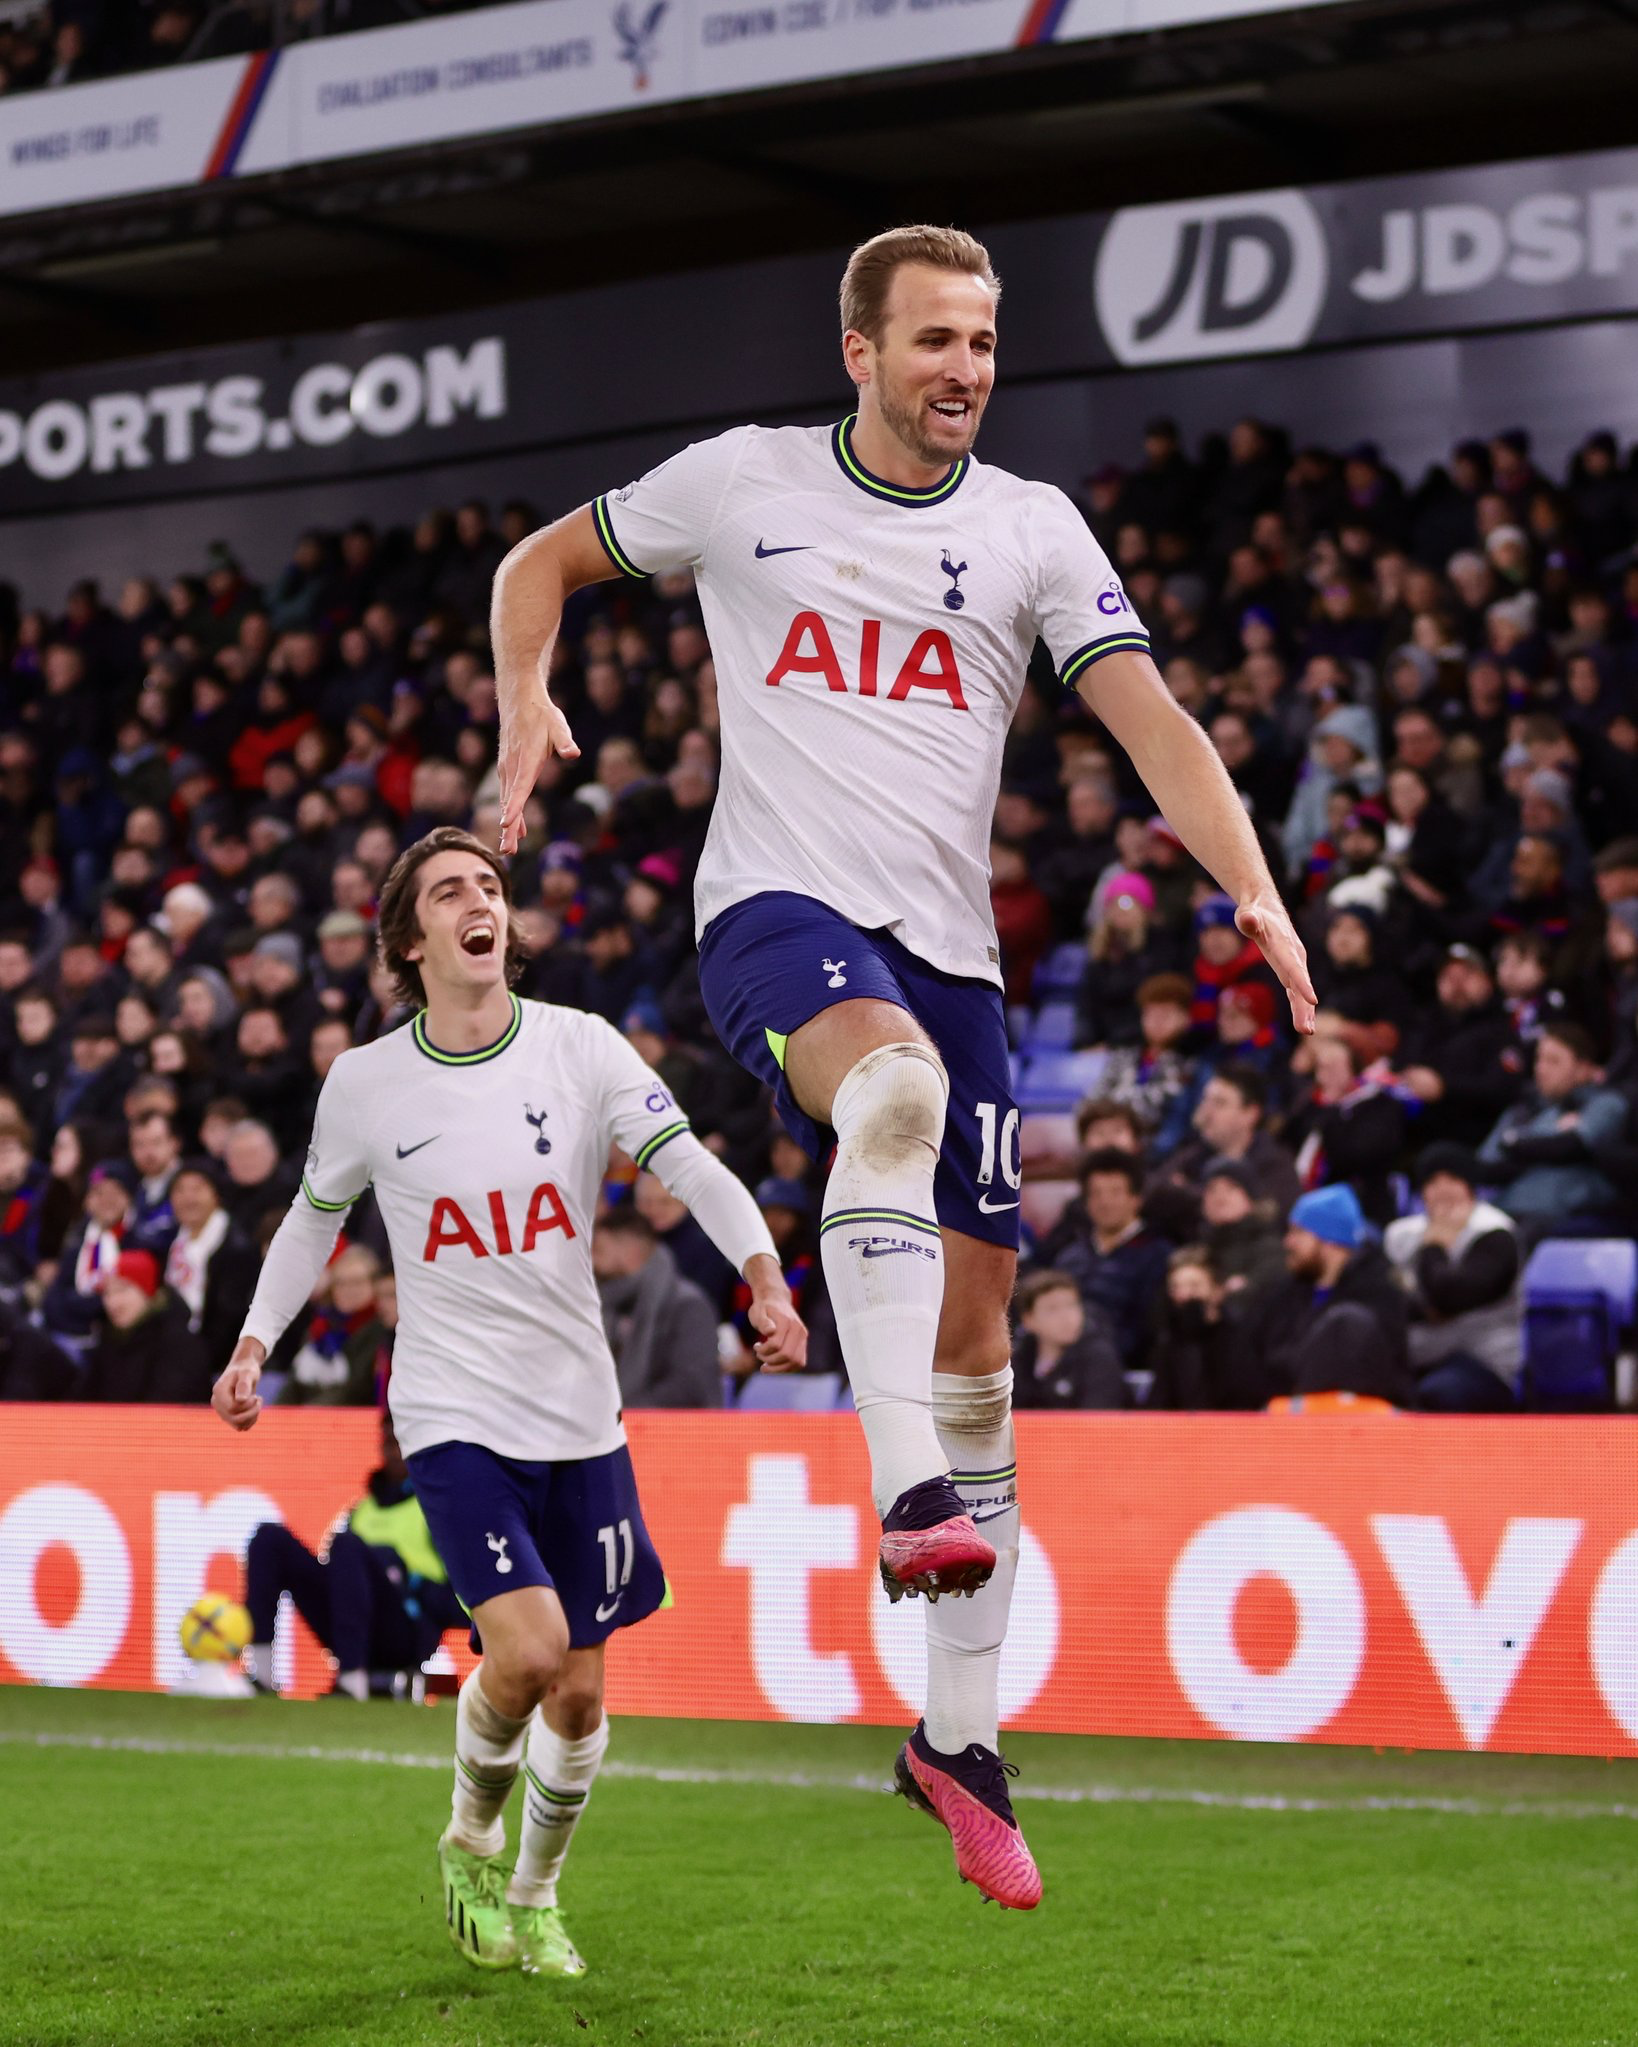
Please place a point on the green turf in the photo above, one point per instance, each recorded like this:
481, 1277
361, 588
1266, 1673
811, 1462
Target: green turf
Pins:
173, 1895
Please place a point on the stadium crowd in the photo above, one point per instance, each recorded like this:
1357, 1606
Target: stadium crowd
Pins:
1427, 697
65, 42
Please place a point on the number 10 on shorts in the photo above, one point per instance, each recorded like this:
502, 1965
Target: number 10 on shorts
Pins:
1011, 1153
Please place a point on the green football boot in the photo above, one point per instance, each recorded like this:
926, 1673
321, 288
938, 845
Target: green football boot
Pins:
544, 1946
480, 1920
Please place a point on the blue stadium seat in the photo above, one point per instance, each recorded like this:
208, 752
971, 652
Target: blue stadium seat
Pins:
1579, 1295
790, 1393
1053, 1029
1054, 1080
1602, 1265
1061, 971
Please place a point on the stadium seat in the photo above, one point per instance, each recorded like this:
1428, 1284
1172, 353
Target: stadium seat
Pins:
1044, 1201
1050, 1136
1053, 1028
1061, 971
1604, 1265
790, 1393
1056, 1081
1578, 1297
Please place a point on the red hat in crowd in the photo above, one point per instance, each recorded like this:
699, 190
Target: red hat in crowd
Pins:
139, 1269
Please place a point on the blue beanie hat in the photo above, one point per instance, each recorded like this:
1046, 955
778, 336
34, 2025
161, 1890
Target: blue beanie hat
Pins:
1332, 1214
1215, 913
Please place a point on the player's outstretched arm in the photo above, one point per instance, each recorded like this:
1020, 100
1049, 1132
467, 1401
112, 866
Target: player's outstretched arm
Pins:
724, 1209
526, 609
1192, 790
299, 1252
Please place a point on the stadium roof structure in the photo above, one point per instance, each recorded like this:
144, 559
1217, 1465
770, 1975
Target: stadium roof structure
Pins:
1334, 90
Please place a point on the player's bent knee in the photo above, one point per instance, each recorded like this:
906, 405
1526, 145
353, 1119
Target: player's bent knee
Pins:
576, 1707
890, 1105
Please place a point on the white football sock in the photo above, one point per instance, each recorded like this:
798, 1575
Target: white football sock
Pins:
557, 1780
883, 1259
964, 1636
488, 1749
355, 1683
259, 1663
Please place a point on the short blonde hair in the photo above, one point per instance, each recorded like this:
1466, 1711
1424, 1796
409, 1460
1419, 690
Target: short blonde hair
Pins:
869, 274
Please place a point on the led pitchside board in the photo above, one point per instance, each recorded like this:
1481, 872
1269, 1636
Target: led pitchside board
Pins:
1394, 1580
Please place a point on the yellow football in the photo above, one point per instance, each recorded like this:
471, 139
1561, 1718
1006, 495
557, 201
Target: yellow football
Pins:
215, 1628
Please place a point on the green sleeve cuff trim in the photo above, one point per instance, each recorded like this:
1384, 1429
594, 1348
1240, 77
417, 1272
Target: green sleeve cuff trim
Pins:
611, 547
777, 1041
1080, 661
665, 1137
330, 1207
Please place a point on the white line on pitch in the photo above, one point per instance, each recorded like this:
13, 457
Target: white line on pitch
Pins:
797, 1780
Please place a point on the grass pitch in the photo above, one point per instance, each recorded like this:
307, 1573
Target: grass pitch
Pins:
184, 1874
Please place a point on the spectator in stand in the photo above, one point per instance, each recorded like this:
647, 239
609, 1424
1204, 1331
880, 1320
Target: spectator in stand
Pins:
341, 1355
1240, 1233
1223, 959
22, 1198
1522, 975
1545, 1153
1229, 1124
1062, 1357
1362, 1000
1153, 1075
1125, 952
142, 1348
1023, 917
1338, 1322
90, 1253
1350, 1126
211, 1267
1461, 1060
155, 1154
1459, 1265
660, 1327
1192, 1357
1104, 1245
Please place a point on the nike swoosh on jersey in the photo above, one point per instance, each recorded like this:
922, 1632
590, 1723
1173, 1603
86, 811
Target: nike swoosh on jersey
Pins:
806, 547
988, 1207
404, 1153
607, 1613
887, 1250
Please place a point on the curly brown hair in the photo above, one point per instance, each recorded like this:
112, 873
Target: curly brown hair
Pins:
398, 927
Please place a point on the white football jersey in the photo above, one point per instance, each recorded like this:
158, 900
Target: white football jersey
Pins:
486, 1166
870, 646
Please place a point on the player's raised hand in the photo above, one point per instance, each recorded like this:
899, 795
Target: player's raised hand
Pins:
783, 1333
1263, 920
531, 732
234, 1395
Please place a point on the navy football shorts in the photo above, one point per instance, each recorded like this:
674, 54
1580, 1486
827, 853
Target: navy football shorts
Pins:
501, 1523
769, 964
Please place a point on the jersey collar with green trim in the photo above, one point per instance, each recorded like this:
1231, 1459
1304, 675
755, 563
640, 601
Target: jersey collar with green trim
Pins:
418, 1031
841, 446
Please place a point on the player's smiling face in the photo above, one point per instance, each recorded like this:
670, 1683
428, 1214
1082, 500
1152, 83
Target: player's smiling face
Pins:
461, 913
930, 372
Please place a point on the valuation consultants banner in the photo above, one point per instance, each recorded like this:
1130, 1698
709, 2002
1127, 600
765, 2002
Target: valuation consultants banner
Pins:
1404, 1582
523, 66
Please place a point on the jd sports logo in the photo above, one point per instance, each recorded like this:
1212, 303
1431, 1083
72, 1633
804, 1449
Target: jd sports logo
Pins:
1209, 277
